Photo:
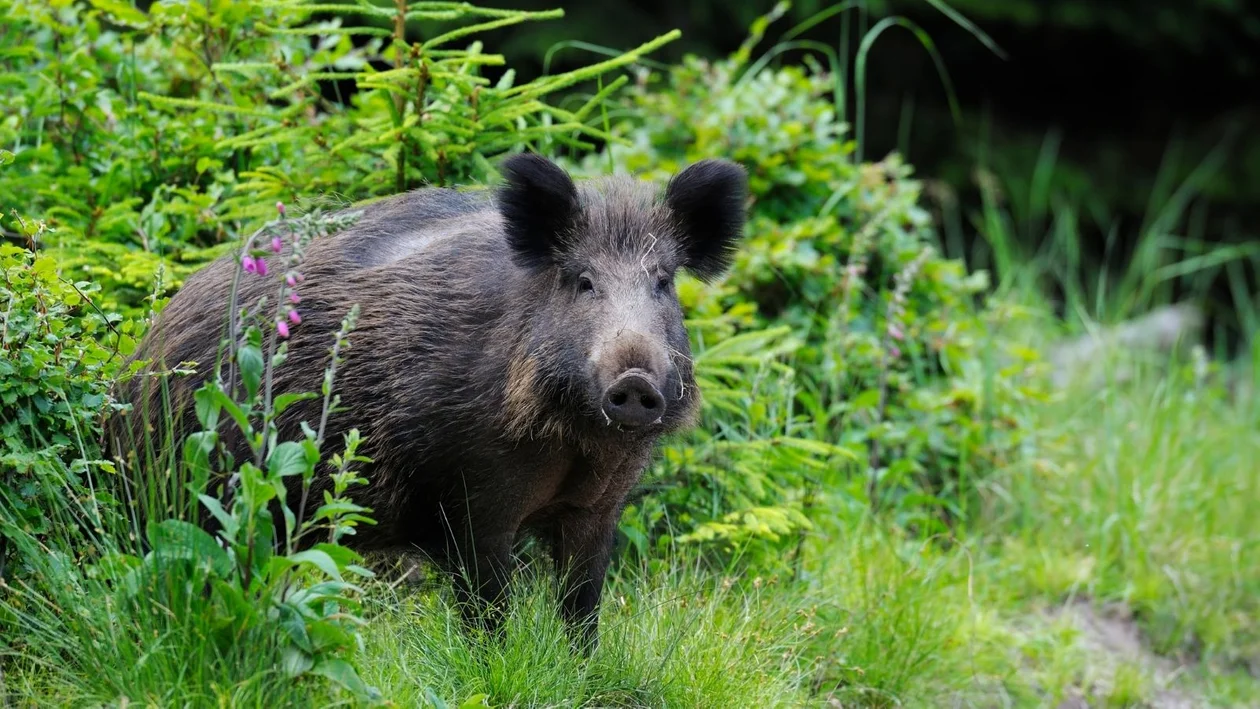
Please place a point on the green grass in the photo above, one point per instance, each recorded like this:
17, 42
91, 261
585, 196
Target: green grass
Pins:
80, 646
1146, 498
682, 639
1035, 235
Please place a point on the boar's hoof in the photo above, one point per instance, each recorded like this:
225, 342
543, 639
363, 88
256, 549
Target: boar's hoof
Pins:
632, 400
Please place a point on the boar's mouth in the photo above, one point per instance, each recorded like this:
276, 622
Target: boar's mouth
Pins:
632, 400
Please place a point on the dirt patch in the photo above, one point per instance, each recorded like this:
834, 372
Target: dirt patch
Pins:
1112, 638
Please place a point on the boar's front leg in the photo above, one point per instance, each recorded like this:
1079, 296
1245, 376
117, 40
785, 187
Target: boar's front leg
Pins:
581, 548
481, 582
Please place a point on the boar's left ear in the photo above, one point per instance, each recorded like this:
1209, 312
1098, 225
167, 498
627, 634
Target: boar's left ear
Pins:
540, 208
707, 199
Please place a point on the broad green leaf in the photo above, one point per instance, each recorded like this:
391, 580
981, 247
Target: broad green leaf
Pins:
234, 410
343, 556
197, 449
250, 361
284, 401
294, 626
176, 539
122, 13
294, 661
288, 458
208, 405
319, 559
227, 521
341, 672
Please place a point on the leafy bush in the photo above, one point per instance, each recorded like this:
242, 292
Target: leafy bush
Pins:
53, 390
843, 356
151, 140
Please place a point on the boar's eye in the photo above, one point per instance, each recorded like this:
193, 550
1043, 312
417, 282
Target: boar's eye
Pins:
585, 284
663, 283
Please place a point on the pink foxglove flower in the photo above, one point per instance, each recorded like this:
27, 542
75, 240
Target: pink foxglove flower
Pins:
282, 327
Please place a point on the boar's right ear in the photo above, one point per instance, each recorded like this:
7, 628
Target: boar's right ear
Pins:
707, 199
539, 204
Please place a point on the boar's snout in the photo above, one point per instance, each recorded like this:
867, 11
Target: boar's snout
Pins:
632, 400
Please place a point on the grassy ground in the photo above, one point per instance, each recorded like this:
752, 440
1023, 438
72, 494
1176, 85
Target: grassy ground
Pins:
1120, 566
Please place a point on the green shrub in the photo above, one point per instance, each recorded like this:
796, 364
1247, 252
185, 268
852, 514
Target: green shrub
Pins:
843, 356
56, 349
152, 140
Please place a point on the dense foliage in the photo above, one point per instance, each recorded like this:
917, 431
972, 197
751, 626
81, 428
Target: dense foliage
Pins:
148, 142
56, 353
863, 344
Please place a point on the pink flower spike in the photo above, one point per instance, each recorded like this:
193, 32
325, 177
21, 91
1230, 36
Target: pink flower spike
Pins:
280, 208
294, 317
262, 266
282, 327
289, 279
295, 298
249, 264
895, 352
276, 244
896, 333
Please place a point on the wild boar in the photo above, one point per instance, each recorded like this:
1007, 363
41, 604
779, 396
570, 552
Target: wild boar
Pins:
518, 354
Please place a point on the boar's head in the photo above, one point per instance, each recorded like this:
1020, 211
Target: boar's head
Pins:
605, 328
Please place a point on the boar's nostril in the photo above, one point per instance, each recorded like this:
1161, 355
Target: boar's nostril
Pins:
632, 400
